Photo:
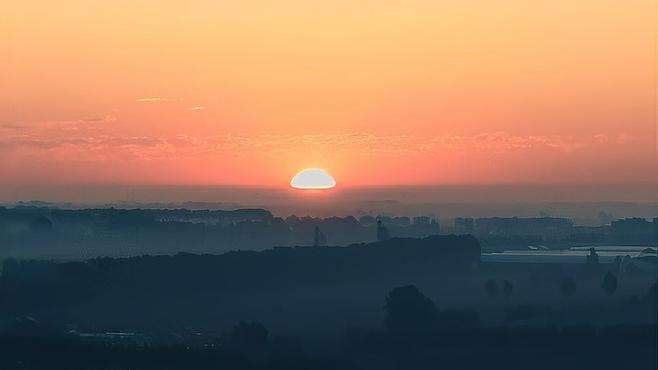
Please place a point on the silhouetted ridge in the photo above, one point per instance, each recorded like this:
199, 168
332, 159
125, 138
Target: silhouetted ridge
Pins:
45, 283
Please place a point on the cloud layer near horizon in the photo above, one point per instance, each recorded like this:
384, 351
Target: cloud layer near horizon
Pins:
485, 157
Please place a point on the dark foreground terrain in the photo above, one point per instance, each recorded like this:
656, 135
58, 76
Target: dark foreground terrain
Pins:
579, 347
403, 303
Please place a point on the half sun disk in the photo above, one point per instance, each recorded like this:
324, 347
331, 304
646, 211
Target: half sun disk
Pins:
312, 178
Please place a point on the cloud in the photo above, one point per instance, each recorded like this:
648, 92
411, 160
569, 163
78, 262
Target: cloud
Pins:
12, 126
104, 119
601, 138
625, 138
156, 99
196, 108
90, 144
52, 127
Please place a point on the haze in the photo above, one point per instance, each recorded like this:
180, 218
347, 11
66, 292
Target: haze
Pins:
468, 92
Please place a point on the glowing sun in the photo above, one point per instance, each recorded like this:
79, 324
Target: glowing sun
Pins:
312, 178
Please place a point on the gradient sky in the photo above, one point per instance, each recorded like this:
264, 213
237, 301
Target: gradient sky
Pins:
383, 93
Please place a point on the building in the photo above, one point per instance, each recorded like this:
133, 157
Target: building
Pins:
464, 225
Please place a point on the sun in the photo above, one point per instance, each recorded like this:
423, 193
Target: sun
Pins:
312, 178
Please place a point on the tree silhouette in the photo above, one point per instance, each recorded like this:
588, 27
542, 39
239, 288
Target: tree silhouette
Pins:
382, 231
567, 287
491, 287
408, 310
609, 283
592, 257
319, 238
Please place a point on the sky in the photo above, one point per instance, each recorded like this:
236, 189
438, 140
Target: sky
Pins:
378, 93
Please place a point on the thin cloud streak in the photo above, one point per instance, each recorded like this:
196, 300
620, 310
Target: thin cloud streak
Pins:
42, 128
147, 147
156, 99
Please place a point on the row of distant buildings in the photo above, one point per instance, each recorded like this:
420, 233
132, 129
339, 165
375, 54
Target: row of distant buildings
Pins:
400, 221
552, 227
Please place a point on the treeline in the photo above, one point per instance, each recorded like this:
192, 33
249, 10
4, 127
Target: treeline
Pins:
86, 233
31, 283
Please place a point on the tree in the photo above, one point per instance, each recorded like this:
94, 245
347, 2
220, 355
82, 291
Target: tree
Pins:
508, 289
408, 310
491, 287
382, 231
609, 283
567, 287
319, 238
592, 257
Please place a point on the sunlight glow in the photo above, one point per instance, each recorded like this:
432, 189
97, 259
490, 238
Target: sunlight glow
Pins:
312, 178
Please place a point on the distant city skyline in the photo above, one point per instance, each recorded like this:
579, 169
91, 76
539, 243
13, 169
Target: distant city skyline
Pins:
585, 202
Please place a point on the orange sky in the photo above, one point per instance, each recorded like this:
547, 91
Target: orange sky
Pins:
383, 93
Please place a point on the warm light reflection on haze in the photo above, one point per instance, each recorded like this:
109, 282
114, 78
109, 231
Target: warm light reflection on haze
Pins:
312, 179
386, 92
